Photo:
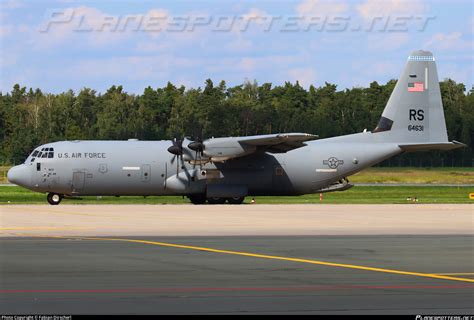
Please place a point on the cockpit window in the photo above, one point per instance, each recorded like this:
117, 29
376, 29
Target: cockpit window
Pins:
44, 153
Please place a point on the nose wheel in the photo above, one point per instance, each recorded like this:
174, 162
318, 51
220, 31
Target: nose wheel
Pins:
54, 198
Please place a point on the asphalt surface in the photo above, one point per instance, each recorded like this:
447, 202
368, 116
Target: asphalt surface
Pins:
377, 274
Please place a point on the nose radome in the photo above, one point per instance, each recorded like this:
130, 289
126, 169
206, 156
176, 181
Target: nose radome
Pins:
19, 175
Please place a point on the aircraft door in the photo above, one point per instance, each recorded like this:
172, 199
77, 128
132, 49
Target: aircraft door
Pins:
146, 172
39, 175
78, 181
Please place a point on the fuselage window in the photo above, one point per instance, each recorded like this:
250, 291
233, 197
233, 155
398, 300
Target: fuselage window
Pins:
38, 166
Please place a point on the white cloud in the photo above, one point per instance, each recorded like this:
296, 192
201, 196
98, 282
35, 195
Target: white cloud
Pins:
239, 44
305, 76
6, 30
375, 8
387, 41
151, 67
11, 4
459, 73
255, 14
253, 18
453, 41
321, 8
87, 26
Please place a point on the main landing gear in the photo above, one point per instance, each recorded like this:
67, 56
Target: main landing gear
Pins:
235, 200
201, 199
54, 198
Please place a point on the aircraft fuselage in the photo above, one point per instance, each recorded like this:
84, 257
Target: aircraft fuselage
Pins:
147, 168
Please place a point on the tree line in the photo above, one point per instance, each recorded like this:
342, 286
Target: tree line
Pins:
31, 117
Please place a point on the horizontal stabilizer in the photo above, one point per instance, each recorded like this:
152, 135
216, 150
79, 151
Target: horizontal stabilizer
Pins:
432, 146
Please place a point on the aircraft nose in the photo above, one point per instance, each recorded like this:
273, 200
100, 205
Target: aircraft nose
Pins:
19, 175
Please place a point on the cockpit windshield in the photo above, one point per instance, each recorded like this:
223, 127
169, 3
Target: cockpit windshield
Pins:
43, 153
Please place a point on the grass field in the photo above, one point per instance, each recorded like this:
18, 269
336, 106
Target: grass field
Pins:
358, 194
388, 175
415, 175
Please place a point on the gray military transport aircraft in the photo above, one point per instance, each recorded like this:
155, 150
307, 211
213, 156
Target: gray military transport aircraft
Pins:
227, 169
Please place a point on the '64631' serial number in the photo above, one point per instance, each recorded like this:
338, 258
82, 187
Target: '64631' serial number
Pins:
416, 128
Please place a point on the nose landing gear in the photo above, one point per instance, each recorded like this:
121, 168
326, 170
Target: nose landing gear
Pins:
54, 198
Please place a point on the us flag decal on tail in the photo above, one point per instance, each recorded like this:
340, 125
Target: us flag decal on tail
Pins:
415, 87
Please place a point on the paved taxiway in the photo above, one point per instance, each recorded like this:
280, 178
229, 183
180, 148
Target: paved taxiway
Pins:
225, 220
430, 271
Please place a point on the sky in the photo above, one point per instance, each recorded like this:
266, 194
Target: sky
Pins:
66, 44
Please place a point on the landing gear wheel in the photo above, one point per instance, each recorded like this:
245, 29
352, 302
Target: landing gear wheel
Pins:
216, 200
236, 200
197, 199
54, 198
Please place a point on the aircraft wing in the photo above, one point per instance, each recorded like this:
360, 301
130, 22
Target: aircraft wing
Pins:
222, 149
278, 143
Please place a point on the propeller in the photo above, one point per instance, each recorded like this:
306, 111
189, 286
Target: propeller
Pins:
177, 150
198, 147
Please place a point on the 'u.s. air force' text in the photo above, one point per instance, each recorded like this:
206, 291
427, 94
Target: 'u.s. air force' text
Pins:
83, 155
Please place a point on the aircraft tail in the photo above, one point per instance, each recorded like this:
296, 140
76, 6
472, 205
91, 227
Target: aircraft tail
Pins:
414, 115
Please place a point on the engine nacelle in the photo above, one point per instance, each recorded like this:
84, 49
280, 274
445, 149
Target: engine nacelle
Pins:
186, 183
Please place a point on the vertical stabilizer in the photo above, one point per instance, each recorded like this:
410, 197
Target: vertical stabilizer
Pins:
414, 113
